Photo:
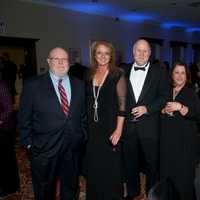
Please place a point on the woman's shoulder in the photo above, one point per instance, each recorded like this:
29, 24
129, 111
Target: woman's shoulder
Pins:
190, 93
117, 73
189, 89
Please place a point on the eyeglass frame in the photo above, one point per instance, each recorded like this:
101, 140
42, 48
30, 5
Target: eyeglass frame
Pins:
57, 60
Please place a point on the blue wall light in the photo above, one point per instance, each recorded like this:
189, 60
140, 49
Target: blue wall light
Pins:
92, 8
137, 17
108, 10
195, 29
169, 25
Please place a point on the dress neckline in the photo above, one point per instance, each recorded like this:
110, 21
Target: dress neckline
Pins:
102, 82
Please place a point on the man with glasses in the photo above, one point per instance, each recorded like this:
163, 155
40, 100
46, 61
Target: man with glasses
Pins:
52, 124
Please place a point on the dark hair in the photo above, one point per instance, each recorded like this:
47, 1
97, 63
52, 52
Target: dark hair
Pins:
93, 63
164, 190
188, 77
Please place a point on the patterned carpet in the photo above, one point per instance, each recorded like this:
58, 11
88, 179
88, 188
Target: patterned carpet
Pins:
25, 174
26, 192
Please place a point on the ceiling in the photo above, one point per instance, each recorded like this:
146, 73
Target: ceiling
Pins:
166, 13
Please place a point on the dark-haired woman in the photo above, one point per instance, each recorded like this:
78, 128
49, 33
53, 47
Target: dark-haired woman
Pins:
106, 94
179, 129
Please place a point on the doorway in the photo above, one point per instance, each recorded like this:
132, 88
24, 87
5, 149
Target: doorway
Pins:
22, 53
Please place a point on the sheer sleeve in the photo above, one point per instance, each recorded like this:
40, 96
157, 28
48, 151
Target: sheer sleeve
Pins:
121, 94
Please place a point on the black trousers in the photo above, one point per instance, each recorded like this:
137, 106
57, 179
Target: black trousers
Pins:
197, 182
9, 176
46, 170
140, 155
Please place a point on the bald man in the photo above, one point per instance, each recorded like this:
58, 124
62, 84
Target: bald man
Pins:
148, 91
52, 124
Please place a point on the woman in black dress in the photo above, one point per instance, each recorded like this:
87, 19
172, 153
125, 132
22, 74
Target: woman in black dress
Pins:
179, 131
106, 97
9, 176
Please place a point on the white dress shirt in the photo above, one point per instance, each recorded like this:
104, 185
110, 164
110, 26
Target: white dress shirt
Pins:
137, 79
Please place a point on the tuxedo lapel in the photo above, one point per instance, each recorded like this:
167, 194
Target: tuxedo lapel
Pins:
147, 83
130, 89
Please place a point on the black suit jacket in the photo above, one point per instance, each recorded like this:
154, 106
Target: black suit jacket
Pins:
43, 124
154, 94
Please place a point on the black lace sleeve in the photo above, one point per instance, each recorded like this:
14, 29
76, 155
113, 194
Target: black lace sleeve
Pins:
121, 94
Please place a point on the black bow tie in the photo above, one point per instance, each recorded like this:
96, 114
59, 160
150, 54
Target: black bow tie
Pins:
139, 68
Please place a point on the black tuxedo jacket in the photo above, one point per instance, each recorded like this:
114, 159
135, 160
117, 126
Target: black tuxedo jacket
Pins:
42, 123
154, 94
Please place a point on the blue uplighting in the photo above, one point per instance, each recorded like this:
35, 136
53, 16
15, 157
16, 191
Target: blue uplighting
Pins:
115, 12
91, 8
195, 29
107, 10
169, 25
136, 17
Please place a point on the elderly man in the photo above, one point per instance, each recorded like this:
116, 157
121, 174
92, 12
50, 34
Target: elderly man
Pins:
148, 91
52, 124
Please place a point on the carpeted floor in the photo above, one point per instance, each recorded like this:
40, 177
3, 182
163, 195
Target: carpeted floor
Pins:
26, 192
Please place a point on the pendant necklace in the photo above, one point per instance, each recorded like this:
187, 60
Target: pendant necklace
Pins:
96, 96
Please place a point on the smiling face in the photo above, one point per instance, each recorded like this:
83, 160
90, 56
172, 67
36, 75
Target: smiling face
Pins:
102, 55
58, 61
141, 52
179, 76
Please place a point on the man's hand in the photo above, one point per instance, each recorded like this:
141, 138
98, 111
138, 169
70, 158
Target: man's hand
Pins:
139, 111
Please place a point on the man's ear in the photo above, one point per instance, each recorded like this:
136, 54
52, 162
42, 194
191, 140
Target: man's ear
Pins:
48, 60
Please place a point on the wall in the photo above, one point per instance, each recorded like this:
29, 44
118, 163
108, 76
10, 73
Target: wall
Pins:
59, 27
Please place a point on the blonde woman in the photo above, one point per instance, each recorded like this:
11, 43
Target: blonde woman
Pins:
106, 97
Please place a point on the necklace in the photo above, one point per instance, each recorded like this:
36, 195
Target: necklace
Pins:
176, 92
96, 96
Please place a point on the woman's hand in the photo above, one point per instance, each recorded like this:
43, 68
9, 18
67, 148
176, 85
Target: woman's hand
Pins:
1, 122
115, 137
163, 111
172, 106
166, 111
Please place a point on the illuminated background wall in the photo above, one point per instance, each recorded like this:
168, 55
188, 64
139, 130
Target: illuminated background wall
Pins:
73, 29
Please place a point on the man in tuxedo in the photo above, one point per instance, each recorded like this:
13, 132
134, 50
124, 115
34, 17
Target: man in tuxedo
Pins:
148, 91
52, 124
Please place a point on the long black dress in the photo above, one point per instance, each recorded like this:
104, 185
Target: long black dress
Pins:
9, 176
103, 161
177, 150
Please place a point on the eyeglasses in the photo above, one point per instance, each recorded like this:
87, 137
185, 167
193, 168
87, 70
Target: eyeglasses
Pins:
58, 60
